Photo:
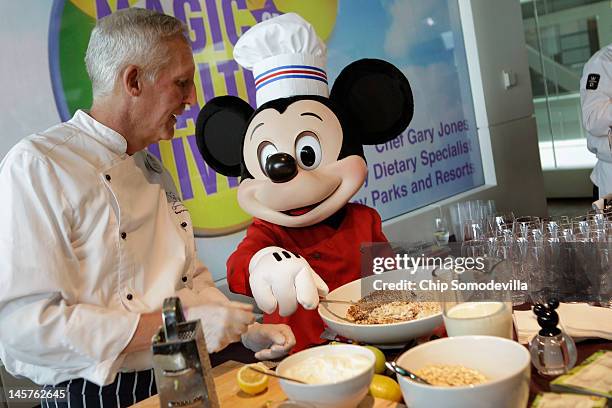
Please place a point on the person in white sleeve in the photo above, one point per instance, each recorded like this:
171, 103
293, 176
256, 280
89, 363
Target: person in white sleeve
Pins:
93, 235
596, 101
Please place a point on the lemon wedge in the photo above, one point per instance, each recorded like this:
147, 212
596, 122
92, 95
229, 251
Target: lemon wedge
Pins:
251, 381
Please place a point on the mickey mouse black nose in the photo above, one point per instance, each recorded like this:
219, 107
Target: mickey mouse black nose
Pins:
281, 167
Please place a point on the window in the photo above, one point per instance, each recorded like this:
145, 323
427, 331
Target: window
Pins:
561, 35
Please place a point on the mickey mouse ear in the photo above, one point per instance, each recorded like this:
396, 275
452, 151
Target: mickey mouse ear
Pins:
378, 98
220, 131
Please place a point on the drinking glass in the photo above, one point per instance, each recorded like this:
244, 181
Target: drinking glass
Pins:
602, 268
522, 225
472, 229
487, 318
474, 249
551, 229
605, 287
503, 221
533, 269
441, 231
475, 310
490, 205
596, 220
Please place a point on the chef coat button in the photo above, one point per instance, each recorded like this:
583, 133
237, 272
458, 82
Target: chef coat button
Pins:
107, 177
184, 278
123, 235
316, 255
129, 296
184, 224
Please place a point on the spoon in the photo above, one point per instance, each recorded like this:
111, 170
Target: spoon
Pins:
343, 302
271, 374
403, 372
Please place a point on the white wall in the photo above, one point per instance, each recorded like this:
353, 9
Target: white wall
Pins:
24, 50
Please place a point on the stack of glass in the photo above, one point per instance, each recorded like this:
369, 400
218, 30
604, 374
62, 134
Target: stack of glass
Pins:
562, 257
468, 217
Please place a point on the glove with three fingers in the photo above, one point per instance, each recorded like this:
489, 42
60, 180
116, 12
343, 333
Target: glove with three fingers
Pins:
279, 277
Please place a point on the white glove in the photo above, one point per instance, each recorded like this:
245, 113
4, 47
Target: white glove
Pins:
279, 277
223, 323
269, 341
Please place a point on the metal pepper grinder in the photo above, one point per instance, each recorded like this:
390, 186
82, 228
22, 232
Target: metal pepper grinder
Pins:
181, 362
553, 352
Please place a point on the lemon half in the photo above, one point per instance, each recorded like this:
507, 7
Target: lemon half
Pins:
251, 381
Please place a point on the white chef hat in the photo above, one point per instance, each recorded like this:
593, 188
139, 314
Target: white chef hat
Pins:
286, 56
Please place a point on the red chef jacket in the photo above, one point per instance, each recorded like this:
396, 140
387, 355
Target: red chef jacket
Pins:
332, 253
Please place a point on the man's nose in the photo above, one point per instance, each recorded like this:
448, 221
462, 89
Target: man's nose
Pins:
191, 96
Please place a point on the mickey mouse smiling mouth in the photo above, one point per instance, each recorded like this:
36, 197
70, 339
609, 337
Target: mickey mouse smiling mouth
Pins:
302, 210
295, 212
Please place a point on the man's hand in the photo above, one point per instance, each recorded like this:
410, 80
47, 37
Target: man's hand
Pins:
269, 341
279, 277
223, 323
188, 297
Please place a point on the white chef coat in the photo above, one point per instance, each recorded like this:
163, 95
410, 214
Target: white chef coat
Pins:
597, 115
90, 237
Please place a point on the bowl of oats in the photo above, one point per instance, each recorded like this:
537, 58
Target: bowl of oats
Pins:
467, 372
381, 310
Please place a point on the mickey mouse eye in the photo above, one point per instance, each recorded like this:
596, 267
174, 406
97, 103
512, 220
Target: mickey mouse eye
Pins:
308, 150
265, 150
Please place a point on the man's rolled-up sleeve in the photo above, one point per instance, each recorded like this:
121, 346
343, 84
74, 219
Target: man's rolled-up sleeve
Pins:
42, 324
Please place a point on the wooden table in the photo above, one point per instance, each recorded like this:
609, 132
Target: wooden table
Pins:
230, 395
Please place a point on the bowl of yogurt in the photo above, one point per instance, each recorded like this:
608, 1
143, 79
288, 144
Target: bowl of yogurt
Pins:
335, 375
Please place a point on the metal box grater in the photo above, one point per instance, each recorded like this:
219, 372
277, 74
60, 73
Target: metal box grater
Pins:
181, 362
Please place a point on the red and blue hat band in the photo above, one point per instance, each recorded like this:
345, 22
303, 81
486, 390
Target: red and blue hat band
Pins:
290, 72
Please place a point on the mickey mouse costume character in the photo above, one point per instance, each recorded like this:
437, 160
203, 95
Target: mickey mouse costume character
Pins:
300, 156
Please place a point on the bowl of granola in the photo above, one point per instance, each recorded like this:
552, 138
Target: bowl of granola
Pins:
380, 310
467, 372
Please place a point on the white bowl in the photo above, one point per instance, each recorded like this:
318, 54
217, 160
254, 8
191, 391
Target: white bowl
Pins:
504, 362
381, 334
343, 394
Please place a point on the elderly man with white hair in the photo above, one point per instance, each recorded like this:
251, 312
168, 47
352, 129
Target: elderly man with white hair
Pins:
93, 235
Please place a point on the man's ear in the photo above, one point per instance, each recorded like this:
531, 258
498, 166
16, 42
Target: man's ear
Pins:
220, 132
130, 80
377, 98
